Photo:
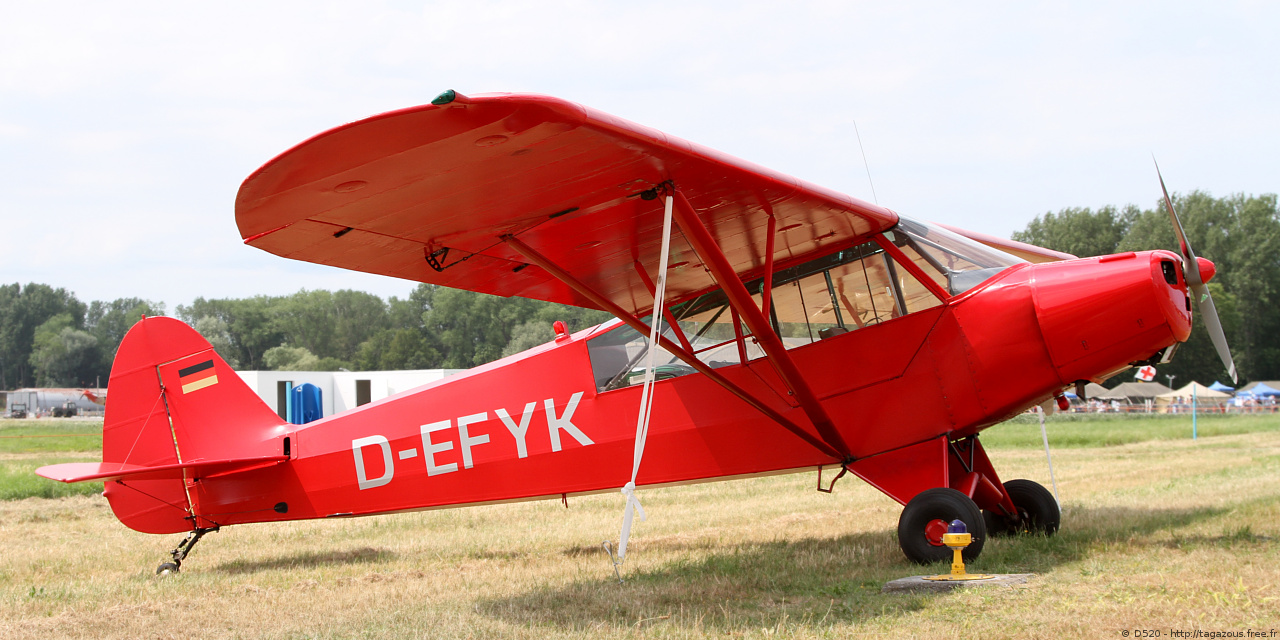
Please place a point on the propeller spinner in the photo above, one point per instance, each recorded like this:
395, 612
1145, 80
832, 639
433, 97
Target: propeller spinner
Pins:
1192, 271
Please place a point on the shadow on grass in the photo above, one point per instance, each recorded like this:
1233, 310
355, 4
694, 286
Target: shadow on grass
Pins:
1085, 531
810, 583
364, 555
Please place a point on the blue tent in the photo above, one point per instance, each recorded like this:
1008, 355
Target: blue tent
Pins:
1263, 391
1218, 386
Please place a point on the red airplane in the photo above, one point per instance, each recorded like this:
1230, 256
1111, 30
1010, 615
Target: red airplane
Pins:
802, 330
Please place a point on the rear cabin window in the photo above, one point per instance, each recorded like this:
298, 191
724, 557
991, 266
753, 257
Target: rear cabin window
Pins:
837, 293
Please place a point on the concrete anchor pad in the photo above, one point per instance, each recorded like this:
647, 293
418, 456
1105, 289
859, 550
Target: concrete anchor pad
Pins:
918, 584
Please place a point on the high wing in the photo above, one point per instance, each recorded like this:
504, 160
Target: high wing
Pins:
438, 193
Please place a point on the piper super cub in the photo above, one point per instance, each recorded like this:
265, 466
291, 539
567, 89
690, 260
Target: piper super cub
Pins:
764, 324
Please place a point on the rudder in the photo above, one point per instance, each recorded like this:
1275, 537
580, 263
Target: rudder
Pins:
173, 401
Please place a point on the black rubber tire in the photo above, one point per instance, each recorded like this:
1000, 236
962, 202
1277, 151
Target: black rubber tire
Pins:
939, 504
167, 568
1036, 506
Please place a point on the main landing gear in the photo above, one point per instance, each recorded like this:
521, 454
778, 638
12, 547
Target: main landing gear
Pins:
1037, 511
925, 518
180, 553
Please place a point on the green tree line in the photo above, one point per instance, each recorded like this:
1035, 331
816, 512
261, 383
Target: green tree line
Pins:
49, 338
435, 327
1239, 233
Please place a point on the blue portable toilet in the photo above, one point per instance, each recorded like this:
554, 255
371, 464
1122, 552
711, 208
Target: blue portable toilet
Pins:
306, 404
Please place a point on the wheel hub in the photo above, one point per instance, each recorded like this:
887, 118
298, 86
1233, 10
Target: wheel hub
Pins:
934, 531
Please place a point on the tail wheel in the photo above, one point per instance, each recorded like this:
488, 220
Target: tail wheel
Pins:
925, 519
1037, 511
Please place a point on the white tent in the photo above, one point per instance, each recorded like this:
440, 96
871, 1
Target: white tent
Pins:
1135, 391
1200, 391
1203, 395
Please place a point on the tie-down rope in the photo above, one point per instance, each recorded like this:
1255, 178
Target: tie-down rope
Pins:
1044, 434
633, 506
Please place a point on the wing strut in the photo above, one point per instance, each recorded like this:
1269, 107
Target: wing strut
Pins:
766, 295
740, 299
632, 321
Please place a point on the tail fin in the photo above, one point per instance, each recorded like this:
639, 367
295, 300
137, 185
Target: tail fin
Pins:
177, 412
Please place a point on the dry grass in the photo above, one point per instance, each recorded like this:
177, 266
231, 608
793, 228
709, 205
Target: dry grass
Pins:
1159, 534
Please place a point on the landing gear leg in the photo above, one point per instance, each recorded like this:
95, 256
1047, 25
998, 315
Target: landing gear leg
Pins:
180, 553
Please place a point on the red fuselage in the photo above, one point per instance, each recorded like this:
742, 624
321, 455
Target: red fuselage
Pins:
535, 425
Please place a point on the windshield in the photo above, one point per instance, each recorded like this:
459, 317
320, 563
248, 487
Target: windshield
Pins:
959, 263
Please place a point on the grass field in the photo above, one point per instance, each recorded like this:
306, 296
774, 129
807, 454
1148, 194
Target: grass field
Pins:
26, 445
1159, 533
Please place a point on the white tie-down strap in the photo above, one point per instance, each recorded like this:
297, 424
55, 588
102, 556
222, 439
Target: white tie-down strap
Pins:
629, 512
646, 394
1044, 434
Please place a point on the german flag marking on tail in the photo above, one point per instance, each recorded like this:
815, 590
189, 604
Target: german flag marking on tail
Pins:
197, 376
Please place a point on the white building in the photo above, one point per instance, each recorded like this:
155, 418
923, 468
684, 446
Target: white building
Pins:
339, 390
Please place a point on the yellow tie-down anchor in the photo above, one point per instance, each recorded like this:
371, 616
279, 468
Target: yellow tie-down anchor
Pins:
957, 538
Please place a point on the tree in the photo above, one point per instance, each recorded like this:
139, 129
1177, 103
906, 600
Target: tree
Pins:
472, 327
1241, 235
215, 330
527, 336
284, 358
249, 325
329, 324
538, 329
22, 310
475, 328
63, 356
398, 349
109, 321
1080, 232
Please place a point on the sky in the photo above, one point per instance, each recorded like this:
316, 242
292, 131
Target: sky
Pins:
127, 127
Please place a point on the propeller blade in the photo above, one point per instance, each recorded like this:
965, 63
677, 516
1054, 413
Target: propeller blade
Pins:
1190, 270
1211, 323
1191, 273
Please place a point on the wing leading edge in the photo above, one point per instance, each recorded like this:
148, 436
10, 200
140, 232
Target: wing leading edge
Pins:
428, 194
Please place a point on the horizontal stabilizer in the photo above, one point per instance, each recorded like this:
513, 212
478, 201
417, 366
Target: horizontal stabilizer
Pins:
86, 471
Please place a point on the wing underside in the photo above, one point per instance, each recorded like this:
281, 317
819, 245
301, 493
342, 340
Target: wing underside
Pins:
432, 193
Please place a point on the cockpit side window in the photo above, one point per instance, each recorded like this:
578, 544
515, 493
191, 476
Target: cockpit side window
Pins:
848, 290
617, 356
706, 322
